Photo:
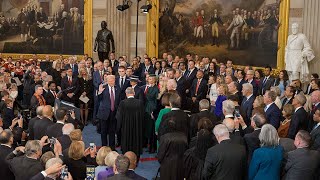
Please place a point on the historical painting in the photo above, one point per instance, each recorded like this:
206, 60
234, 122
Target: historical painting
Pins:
245, 31
42, 26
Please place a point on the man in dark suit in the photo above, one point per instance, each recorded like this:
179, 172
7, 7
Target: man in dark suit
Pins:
122, 82
138, 92
234, 135
121, 168
20, 163
51, 95
181, 88
315, 133
288, 95
240, 80
267, 81
219, 163
133, 164
273, 113
65, 139
146, 69
250, 79
55, 130
40, 126
299, 119
233, 90
247, 102
109, 97
204, 107
33, 121
70, 88
180, 118
37, 100
97, 80
190, 75
199, 87
6, 141
315, 99
8, 114
73, 66
302, 163
113, 62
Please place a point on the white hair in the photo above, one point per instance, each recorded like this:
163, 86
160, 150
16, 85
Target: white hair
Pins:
268, 136
67, 128
228, 106
247, 86
221, 130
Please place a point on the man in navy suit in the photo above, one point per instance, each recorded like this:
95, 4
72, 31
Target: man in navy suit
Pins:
299, 119
122, 82
240, 80
250, 79
247, 103
69, 87
97, 80
146, 69
73, 65
273, 113
190, 75
109, 100
267, 81
199, 87
138, 92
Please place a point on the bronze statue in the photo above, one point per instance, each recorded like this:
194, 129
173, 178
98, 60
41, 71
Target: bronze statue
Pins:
102, 42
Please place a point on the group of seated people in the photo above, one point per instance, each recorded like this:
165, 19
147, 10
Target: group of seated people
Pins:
206, 115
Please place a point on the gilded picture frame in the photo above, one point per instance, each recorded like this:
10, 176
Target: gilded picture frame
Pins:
153, 31
87, 38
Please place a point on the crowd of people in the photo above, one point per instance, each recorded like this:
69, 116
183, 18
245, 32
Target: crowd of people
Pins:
205, 118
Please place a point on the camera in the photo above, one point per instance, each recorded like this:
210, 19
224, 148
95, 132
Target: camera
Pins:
92, 146
52, 141
64, 172
19, 115
237, 113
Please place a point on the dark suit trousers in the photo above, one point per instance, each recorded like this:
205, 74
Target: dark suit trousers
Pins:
103, 55
108, 127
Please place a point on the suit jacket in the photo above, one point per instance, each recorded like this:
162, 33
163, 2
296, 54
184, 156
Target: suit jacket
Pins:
72, 88
285, 101
40, 127
4, 170
143, 71
194, 119
105, 103
34, 103
219, 163
299, 121
252, 142
75, 71
65, 141
181, 89
311, 122
274, 115
202, 89
131, 174
23, 168
263, 87
119, 177
302, 163
97, 80
315, 135
126, 84
190, 77
255, 87
7, 118
138, 93
54, 130
240, 84
246, 109
50, 99
181, 119
30, 127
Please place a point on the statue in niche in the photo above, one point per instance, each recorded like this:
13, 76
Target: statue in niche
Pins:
102, 42
297, 55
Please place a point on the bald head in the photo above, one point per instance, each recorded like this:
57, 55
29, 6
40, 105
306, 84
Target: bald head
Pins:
133, 159
315, 97
47, 111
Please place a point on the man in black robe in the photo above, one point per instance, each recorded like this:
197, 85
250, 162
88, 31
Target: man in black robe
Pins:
130, 117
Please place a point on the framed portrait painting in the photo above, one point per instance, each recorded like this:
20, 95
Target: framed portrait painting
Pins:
245, 31
44, 26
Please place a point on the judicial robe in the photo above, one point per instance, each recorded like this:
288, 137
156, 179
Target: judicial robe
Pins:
130, 117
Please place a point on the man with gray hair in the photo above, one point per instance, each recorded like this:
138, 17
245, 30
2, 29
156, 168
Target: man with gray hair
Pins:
246, 106
299, 119
228, 109
33, 120
65, 140
121, 167
130, 117
22, 158
204, 107
37, 100
219, 162
273, 113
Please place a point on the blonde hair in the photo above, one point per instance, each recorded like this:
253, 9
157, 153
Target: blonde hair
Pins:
111, 158
101, 155
76, 150
76, 135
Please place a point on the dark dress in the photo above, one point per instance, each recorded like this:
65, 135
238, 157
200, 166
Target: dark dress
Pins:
86, 86
130, 117
170, 155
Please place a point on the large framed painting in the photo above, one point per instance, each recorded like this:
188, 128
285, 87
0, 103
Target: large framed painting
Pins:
250, 32
45, 26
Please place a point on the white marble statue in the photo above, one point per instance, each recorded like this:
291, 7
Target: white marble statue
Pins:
298, 54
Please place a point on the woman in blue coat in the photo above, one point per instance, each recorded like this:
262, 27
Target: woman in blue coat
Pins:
266, 160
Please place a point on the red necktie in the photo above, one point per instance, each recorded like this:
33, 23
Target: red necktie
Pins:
112, 100
198, 83
146, 90
70, 81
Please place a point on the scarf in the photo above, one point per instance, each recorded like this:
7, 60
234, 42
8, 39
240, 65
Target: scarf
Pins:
41, 100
